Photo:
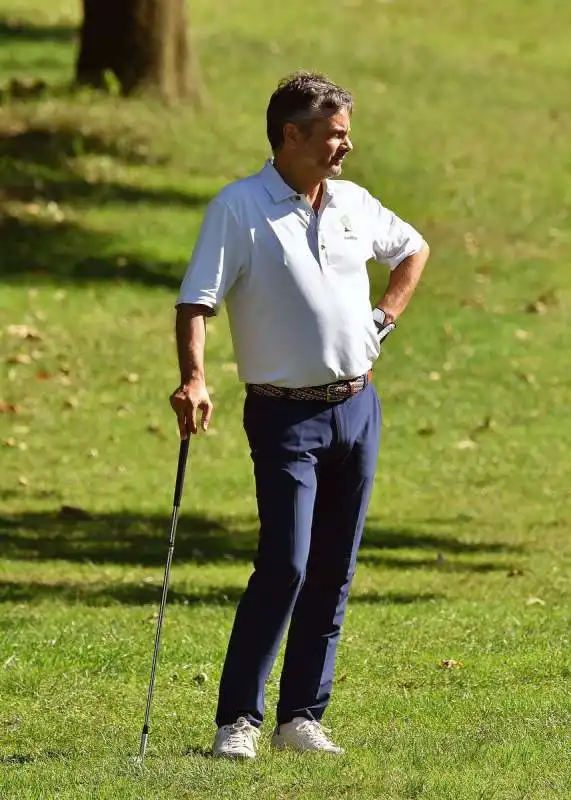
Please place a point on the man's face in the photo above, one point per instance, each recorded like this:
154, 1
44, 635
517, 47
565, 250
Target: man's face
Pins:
322, 149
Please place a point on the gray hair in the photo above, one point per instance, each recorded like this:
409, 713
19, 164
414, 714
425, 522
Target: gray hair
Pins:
301, 98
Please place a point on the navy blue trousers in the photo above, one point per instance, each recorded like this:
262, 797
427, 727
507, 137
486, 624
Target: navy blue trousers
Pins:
314, 465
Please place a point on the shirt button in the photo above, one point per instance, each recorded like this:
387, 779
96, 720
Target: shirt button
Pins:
297, 197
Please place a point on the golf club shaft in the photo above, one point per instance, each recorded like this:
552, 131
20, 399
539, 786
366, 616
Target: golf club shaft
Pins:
182, 458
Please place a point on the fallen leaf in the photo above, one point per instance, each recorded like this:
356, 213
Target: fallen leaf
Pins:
131, 377
522, 335
8, 408
74, 513
541, 305
55, 211
93, 453
450, 663
43, 375
465, 444
9, 442
534, 601
487, 424
471, 244
71, 402
527, 377
19, 358
536, 307
23, 480
515, 572
23, 332
10, 661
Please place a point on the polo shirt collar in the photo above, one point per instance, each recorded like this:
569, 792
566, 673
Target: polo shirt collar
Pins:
278, 189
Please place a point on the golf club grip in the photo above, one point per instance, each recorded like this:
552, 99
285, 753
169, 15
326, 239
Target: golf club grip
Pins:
182, 456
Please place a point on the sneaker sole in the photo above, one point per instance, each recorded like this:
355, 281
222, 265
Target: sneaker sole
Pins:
280, 745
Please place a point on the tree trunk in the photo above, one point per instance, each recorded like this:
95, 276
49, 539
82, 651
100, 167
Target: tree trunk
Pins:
143, 43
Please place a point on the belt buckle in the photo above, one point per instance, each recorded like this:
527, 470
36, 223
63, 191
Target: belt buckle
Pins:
338, 391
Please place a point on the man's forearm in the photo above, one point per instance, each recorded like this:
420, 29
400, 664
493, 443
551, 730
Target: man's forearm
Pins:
402, 283
190, 341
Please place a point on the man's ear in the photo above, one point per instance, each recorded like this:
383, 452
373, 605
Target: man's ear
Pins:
292, 135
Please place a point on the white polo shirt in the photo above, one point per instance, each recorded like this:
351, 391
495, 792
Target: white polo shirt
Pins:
295, 283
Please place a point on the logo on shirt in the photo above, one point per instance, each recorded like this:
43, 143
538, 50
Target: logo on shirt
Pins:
347, 227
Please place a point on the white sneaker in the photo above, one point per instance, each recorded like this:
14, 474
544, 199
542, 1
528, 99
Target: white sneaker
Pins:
238, 740
304, 735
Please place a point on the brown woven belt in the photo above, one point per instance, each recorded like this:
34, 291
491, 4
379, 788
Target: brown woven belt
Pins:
327, 393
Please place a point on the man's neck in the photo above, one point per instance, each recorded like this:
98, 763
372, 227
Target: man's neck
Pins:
310, 187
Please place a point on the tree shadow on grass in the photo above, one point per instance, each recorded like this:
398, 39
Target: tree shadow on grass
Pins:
443, 550
15, 30
36, 250
121, 538
38, 171
128, 538
143, 593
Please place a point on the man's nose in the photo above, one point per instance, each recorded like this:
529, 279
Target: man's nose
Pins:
348, 144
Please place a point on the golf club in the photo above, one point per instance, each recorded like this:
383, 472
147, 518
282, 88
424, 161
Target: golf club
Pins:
182, 456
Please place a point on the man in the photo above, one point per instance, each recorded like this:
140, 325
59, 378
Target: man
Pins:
287, 249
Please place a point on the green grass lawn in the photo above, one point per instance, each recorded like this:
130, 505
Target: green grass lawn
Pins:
462, 125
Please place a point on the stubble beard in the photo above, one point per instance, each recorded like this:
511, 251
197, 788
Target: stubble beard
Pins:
334, 170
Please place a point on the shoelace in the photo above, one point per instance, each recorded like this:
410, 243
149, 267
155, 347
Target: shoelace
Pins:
315, 732
241, 733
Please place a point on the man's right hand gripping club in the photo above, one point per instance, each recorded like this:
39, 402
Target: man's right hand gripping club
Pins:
191, 397
186, 402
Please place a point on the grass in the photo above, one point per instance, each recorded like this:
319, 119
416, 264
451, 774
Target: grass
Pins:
462, 125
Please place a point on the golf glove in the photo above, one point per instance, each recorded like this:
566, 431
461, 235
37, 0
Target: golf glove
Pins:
383, 327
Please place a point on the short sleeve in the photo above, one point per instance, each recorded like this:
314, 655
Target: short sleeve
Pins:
393, 239
217, 259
